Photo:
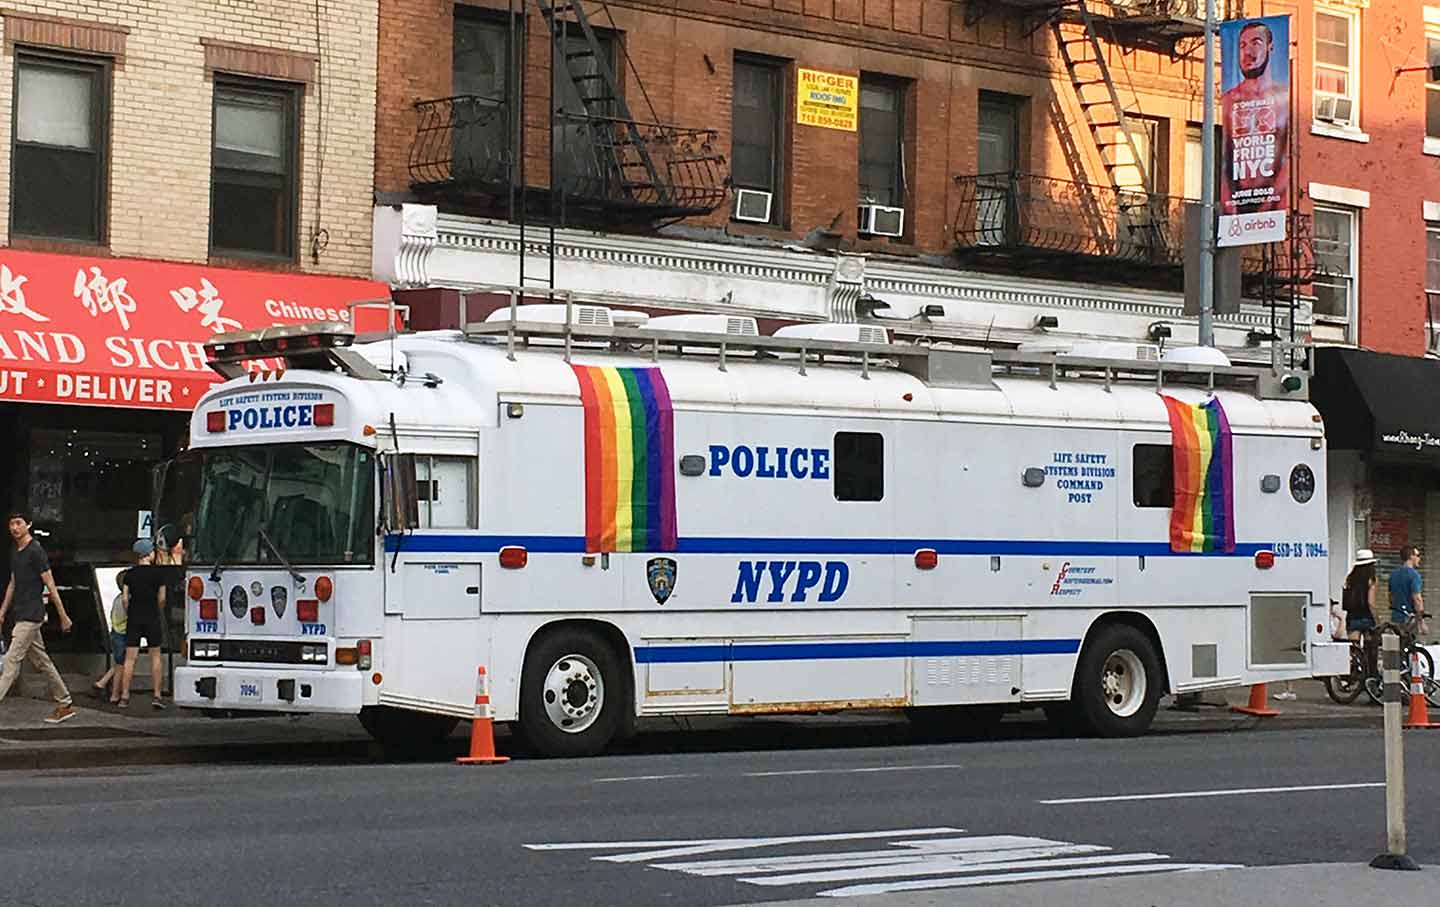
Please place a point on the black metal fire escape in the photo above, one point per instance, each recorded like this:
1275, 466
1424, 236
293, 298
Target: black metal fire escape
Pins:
608, 168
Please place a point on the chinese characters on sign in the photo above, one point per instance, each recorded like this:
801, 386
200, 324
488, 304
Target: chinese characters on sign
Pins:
100, 294
827, 99
1255, 110
208, 301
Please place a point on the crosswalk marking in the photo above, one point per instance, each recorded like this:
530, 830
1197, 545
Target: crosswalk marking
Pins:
913, 859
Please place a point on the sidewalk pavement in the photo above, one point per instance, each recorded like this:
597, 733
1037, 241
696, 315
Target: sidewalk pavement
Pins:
1310, 885
102, 735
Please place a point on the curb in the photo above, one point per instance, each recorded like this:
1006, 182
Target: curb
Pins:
21, 758
18, 757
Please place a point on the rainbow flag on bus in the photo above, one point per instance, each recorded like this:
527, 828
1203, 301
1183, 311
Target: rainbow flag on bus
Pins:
1202, 519
629, 459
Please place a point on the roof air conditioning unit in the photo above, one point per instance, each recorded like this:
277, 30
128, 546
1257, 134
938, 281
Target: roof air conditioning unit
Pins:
845, 333
752, 205
879, 220
1116, 350
733, 325
554, 313
1340, 111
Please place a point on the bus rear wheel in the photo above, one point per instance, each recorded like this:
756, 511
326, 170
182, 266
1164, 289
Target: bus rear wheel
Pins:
404, 730
1118, 682
572, 694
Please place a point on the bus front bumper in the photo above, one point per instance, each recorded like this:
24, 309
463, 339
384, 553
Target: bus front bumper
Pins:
273, 689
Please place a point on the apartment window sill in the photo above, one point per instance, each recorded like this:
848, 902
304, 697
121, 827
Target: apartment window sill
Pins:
1330, 130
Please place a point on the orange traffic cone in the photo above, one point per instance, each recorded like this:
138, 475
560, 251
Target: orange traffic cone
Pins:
1256, 707
1419, 716
482, 728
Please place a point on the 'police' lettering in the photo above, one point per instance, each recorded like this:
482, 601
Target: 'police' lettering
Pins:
765, 462
302, 415
833, 578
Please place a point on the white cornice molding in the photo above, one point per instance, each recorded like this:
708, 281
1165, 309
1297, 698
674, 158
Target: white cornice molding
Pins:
815, 272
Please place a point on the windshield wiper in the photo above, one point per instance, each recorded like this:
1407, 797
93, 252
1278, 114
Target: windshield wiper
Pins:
230, 543
275, 550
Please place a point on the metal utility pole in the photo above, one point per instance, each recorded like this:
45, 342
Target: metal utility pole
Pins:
1207, 187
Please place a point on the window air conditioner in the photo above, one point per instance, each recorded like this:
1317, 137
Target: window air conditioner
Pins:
1330, 109
878, 220
752, 205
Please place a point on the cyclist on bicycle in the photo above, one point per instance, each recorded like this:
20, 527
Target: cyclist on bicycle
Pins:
1407, 605
1358, 600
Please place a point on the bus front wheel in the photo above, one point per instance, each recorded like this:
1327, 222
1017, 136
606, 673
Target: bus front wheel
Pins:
572, 694
1118, 682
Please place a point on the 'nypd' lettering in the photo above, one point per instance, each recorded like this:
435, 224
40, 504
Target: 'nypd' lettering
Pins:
770, 462
791, 580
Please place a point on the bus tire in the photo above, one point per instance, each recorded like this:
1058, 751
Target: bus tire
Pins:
400, 729
572, 694
1118, 682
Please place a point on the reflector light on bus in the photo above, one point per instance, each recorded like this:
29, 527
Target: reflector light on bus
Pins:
347, 656
215, 421
1264, 559
364, 647
324, 415
195, 587
513, 557
257, 615
209, 609
307, 610
926, 559
324, 588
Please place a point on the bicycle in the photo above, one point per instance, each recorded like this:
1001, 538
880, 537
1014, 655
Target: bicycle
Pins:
1374, 682
1346, 688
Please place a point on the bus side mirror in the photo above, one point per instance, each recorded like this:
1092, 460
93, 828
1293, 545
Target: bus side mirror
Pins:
402, 499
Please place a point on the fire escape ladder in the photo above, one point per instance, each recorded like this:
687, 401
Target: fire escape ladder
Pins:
597, 86
1110, 128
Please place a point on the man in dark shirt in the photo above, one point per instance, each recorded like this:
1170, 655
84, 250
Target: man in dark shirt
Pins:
30, 578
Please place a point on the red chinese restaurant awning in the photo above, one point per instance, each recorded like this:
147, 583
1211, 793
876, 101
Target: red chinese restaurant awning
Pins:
131, 332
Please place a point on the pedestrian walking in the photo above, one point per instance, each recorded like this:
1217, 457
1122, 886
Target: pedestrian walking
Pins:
1406, 600
30, 579
112, 679
144, 605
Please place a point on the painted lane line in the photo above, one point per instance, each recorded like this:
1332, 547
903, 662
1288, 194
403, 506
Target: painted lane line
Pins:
852, 771
914, 851
1007, 877
954, 868
1230, 792
684, 848
639, 778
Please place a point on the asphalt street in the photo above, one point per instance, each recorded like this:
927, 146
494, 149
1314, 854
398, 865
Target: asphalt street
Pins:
741, 825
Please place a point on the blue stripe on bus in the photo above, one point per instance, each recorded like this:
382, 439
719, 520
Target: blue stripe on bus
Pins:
426, 543
811, 651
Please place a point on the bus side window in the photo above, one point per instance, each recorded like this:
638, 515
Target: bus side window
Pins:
859, 466
446, 490
1153, 472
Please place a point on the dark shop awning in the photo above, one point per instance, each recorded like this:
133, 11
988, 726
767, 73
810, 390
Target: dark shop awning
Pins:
1376, 402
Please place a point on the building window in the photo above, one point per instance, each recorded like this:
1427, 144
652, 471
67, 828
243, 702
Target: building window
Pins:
253, 163
756, 129
1194, 162
1153, 476
998, 163
1336, 67
1432, 290
882, 142
1334, 263
1432, 87
586, 148
480, 83
58, 178
859, 466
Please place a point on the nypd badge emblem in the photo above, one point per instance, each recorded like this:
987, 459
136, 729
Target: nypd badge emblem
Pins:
661, 573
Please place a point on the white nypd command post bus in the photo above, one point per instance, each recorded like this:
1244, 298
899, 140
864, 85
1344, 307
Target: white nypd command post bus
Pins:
620, 516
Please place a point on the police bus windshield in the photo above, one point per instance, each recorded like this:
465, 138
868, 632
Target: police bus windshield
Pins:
314, 501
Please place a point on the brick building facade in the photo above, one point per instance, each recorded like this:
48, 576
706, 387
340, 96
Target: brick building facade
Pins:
168, 171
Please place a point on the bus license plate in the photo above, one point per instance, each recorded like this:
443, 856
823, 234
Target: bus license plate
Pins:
250, 691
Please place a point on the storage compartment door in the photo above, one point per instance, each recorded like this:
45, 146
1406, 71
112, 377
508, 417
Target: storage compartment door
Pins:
966, 660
